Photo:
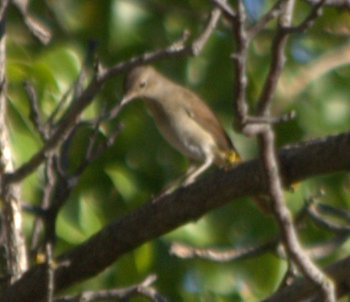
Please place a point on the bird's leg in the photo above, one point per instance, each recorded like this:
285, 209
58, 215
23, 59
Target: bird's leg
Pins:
174, 184
179, 179
191, 177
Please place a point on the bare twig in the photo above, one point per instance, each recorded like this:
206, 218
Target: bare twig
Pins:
277, 62
260, 25
227, 10
66, 181
56, 187
94, 150
50, 273
64, 99
267, 142
176, 49
340, 213
219, 255
240, 104
35, 111
37, 28
143, 289
49, 183
249, 124
203, 37
323, 249
273, 246
315, 13
334, 3
78, 86
273, 120
303, 290
326, 224
283, 216
104, 74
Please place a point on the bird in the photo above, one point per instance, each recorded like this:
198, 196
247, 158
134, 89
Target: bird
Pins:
184, 120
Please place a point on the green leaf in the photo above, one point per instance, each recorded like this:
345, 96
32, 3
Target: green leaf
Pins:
68, 231
144, 257
123, 180
89, 221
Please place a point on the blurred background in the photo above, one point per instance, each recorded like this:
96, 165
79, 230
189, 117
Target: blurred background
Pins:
314, 83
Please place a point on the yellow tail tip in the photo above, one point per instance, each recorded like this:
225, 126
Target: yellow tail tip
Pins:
232, 157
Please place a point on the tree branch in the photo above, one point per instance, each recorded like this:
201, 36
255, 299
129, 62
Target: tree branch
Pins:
302, 289
143, 289
297, 162
101, 77
37, 28
15, 260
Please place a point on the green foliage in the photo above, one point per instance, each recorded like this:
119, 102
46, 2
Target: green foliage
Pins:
140, 163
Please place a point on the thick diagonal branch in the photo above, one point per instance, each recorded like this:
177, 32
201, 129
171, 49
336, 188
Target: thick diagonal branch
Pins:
300, 161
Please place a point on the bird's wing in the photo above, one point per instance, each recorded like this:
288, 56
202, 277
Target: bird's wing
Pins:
205, 117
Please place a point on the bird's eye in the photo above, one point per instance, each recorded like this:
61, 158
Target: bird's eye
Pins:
143, 84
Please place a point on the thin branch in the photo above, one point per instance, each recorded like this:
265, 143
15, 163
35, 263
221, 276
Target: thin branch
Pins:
221, 255
64, 99
176, 49
340, 213
323, 249
203, 37
239, 59
272, 120
334, 3
50, 273
326, 224
225, 8
142, 289
94, 150
277, 60
65, 181
35, 111
315, 13
271, 167
36, 27
317, 251
104, 74
285, 222
76, 88
273, 13
303, 289
49, 185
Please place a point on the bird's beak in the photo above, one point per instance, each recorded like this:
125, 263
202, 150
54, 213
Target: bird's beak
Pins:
127, 99
118, 107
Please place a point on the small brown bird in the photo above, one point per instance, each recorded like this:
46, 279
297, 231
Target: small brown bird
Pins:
183, 119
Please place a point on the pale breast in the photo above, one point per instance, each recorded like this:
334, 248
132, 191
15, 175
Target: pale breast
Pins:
182, 131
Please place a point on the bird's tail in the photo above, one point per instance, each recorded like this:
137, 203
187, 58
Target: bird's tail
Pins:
232, 157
